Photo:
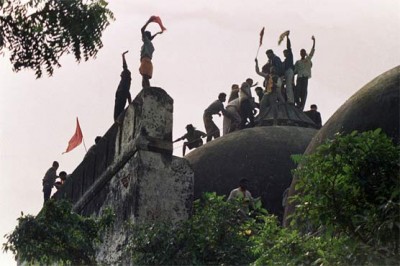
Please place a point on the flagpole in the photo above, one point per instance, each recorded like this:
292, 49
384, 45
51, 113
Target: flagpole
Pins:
258, 51
84, 145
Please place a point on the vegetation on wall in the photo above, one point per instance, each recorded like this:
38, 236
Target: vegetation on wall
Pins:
347, 214
57, 235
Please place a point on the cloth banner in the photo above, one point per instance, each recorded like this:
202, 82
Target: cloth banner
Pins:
157, 20
76, 138
261, 36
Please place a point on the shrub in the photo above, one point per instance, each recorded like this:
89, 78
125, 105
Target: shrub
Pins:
57, 235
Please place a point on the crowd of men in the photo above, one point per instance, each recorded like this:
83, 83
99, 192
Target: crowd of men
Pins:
278, 87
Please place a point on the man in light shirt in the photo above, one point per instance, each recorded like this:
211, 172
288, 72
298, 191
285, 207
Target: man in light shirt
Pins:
303, 70
243, 195
214, 109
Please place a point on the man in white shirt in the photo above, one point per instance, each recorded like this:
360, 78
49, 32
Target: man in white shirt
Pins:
242, 194
303, 70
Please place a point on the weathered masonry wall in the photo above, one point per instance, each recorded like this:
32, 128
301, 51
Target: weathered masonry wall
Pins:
132, 171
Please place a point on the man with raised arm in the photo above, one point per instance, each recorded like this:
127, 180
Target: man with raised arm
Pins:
122, 95
288, 68
146, 54
303, 70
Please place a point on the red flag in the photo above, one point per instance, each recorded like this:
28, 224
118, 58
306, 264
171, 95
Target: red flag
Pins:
76, 138
261, 35
157, 20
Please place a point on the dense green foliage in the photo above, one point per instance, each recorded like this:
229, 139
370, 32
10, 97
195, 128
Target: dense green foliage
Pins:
347, 214
39, 32
218, 234
351, 186
215, 234
57, 235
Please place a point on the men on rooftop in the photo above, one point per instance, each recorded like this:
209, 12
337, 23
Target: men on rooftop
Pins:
216, 108
194, 138
303, 70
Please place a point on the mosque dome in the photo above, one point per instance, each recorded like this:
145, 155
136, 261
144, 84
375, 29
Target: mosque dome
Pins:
376, 105
259, 154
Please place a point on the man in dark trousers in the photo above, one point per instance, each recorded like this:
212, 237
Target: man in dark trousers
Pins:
288, 68
49, 179
314, 115
123, 94
194, 138
303, 70
214, 109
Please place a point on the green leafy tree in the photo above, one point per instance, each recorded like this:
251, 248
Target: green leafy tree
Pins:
215, 234
351, 186
39, 32
57, 235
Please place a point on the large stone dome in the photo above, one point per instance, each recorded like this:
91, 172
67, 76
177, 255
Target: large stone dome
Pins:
376, 105
260, 154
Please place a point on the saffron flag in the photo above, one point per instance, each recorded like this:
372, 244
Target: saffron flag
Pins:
157, 20
261, 36
76, 138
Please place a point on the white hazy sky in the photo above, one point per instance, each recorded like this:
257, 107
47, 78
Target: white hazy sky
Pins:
208, 46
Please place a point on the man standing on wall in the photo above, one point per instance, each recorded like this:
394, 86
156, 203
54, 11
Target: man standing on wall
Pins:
123, 94
48, 180
303, 70
147, 50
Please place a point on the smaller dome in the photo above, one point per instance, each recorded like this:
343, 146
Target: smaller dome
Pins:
260, 154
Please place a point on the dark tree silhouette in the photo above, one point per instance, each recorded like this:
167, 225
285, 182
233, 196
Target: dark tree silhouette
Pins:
37, 33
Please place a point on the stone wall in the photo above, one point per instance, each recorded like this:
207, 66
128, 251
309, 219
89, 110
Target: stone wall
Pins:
132, 171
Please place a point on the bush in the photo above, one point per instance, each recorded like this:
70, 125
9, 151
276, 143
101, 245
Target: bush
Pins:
351, 186
57, 235
215, 234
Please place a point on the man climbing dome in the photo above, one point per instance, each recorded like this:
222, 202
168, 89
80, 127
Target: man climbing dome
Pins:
122, 95
194, 138
147, 50
303, 70
214, 109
